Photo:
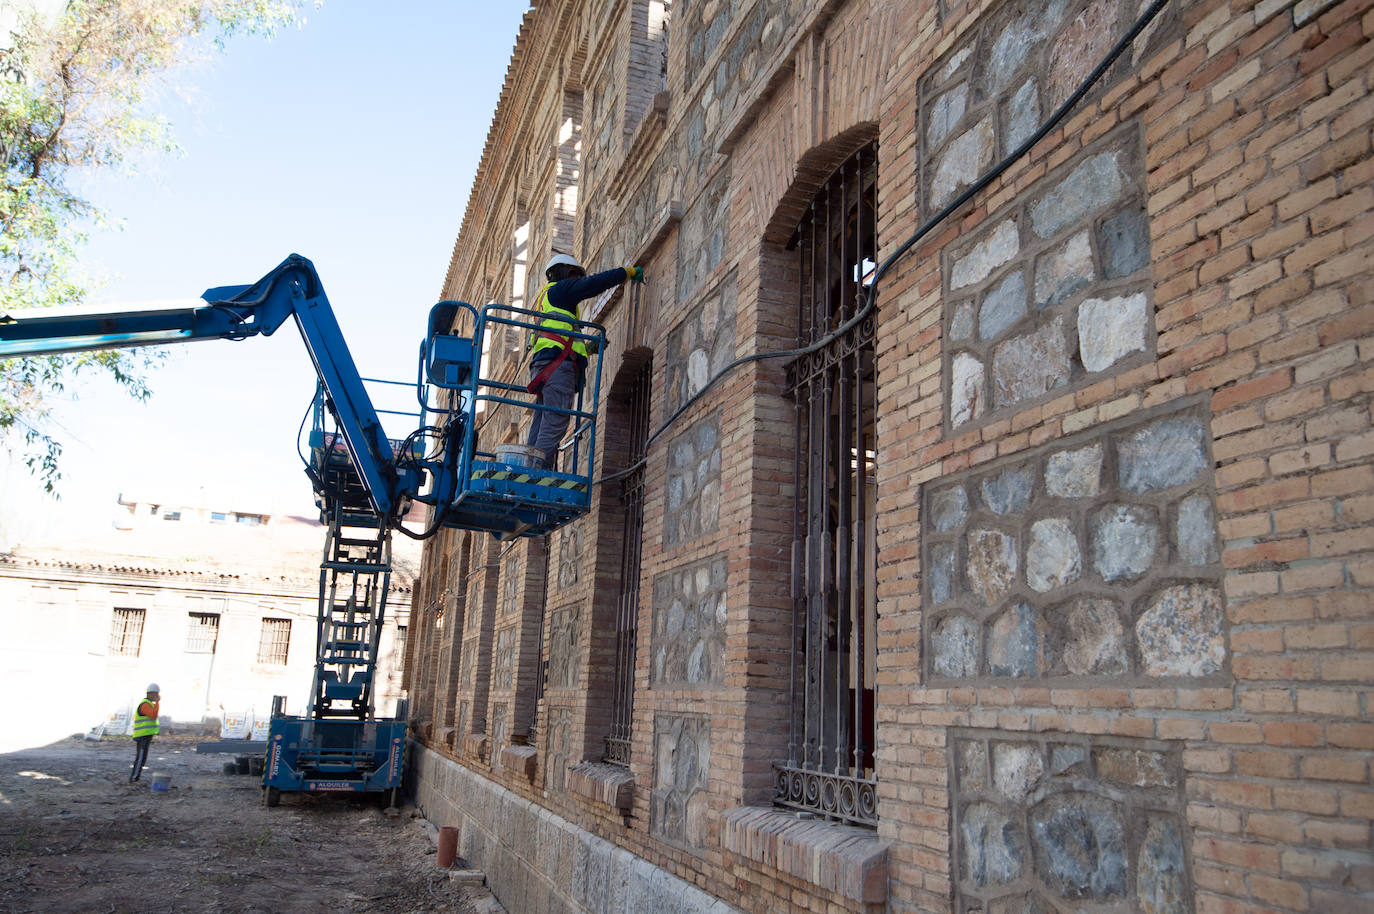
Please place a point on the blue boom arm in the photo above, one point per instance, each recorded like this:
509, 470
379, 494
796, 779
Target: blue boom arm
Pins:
292, 290
442, 466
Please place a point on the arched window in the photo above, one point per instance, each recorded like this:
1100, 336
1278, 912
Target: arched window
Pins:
636, 412
830, 749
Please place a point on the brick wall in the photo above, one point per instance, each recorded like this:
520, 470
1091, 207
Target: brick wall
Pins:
1123, 442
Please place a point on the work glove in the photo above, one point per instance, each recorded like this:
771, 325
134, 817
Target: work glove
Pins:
634, 274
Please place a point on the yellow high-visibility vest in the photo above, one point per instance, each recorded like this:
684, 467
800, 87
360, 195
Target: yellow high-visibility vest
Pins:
144, 726
557, 319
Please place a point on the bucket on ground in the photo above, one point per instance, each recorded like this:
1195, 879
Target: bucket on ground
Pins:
162, 782
518, 455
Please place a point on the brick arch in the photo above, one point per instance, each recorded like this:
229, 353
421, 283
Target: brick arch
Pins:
630, 364
812, 170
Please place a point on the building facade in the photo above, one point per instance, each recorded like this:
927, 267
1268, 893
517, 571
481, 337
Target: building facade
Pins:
216, 606
984, 507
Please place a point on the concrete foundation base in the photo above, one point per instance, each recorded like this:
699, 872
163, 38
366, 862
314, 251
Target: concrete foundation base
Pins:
537, 861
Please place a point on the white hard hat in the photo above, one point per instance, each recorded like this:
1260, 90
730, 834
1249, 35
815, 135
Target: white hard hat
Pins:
152, 687
556, 259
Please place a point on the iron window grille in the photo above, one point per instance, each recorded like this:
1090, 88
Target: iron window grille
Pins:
126, 634
275, 641
627, 606
202, 633
830, 766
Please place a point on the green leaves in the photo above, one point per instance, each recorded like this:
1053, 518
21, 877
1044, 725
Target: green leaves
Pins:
72, 95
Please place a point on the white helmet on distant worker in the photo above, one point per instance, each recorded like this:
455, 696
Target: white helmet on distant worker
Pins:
152, 687
557, 259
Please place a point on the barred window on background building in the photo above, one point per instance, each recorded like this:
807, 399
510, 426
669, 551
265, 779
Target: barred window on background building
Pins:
126, 634
830, 770
274, 642
202, 633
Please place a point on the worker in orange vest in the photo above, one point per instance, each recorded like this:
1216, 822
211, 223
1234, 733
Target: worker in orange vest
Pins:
145, 728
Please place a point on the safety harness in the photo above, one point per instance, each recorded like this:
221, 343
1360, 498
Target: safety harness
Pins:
538, 381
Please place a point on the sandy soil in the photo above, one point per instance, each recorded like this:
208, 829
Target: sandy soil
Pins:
75, 836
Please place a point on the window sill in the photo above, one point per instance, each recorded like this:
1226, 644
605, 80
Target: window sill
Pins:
520, 759
843, 859
607, 785
475, 745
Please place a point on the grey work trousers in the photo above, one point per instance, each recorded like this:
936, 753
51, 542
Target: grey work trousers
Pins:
547, 428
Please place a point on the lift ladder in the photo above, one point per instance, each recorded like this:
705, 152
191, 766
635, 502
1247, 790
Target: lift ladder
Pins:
353, 586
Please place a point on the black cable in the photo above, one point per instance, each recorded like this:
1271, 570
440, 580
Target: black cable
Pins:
870, 293
300, 431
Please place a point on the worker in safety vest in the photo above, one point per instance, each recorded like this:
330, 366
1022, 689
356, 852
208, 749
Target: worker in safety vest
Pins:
557, 361
145, 728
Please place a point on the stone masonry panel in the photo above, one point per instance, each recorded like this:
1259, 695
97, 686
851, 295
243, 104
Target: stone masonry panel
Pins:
703, 236
1063, 824
725, 52
500, 728
560, 751
1055, 288
682, 768
702, 344
1092, 559
565, 638
510, 585
693, 483
503, 676
1055, 291
689, 625
570, 556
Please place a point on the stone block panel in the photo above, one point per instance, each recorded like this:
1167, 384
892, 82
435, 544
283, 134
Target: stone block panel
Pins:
468, 662
702, 344
693, 483
559, 737
1055, 290
570, 556
1089, 559
689, 625
678, 806
503, 673
1063, 823
565, 643
510, 584
500, 729
703, 235
1005, 75
726, 48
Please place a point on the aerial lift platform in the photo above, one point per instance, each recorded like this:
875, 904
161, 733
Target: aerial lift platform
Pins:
364, 483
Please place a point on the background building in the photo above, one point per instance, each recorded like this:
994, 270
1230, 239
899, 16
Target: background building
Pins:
1044, 585
216, 605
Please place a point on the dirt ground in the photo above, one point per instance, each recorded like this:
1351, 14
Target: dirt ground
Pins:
76, 836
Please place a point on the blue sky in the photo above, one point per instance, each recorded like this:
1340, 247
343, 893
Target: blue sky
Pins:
352, 141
